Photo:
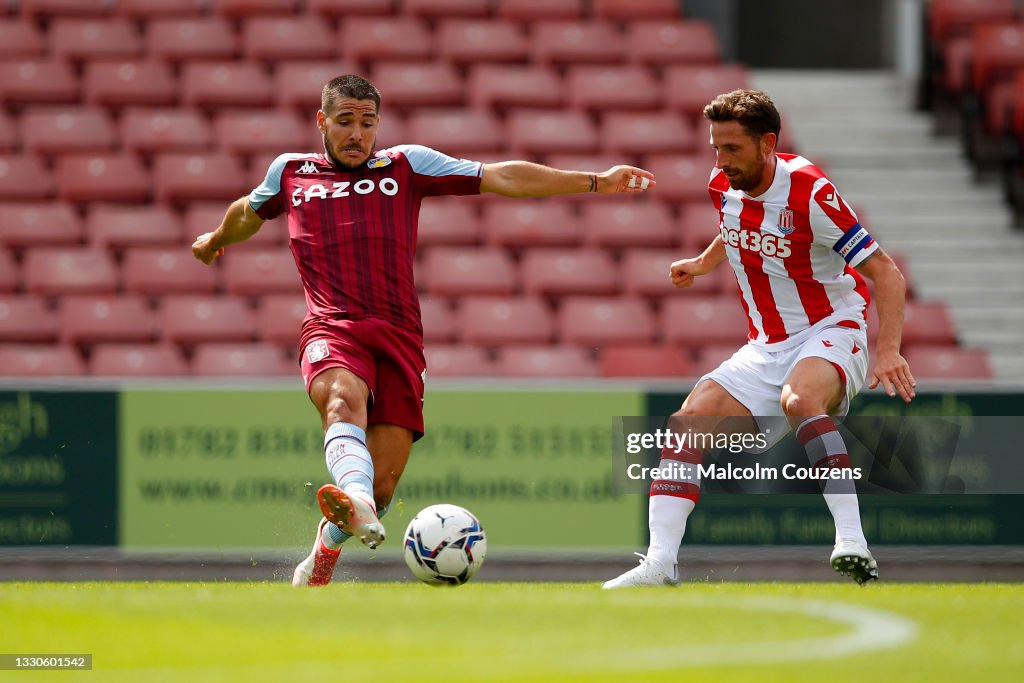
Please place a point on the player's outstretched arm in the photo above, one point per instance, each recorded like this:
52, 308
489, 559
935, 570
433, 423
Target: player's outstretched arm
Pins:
526, 179
239, 224
683, 271
891, 368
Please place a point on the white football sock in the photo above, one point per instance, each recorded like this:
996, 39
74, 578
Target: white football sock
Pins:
348, 459
674, 494
826, 448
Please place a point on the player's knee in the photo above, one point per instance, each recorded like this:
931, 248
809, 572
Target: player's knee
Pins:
341, 407
797, 404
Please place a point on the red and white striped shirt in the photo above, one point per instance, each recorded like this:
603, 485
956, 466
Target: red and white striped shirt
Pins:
793, 250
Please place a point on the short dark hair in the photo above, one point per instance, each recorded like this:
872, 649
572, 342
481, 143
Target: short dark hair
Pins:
349, 85
752, 108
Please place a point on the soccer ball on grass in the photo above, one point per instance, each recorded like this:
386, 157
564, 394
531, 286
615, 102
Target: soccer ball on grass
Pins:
445, 545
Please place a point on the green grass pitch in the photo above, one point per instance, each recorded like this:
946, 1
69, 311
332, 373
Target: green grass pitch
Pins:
519, 632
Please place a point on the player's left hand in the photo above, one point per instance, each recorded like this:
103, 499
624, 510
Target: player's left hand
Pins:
893, 373
204, 250
628, 179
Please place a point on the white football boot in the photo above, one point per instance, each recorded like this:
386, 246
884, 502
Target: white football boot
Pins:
354, 514
648, 573
853, 559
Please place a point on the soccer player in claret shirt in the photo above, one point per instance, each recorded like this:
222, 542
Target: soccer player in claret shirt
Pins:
352, 224
800, 257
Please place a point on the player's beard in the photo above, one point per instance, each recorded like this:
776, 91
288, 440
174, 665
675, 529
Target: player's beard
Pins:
749, 179
344, 164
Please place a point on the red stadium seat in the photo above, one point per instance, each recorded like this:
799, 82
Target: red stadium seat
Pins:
191, 38
137, 360
507, 85
37, 81
167, 270
449, 221
596, 321
695, 320
462, 271
39, 361
160, 9
8, 135
34, 224
549, 223
427, 84
299, 83
644, 360
948, 18
127, 83
678, 42
254, 271
164, 130
710, 356
637, 9
386, 38
545, 361
241, 360
200, 176
443, 9
997, 50
26, 319
92, 319
20, 39
550, 132
24, 178
198, 319
462, 133
225, 84
438, 320
698, 225
645, 272
559, 272
10, 273
536, 10
87, 39
279, 318
688, 87
116, 227
343, 9
41, 9
646, 133
926, 322
595, 163
468, 41
457, 361
956, 59
244, 8
53, 271
494, 321
576, 42
948, 363
102, 177
251, 132
628, 223
298, 37
600, 88
59, 130
203, 217
681, 177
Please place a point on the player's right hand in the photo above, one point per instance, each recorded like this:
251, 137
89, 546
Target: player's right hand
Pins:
204, 250
685, 270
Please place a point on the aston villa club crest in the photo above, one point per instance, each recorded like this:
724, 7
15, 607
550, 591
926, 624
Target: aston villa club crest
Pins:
378, 162
786, 225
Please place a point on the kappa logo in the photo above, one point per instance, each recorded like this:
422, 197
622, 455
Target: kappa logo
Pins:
317, 350
378, 162
308, 167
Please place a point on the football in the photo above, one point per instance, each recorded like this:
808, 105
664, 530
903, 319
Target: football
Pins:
445, 545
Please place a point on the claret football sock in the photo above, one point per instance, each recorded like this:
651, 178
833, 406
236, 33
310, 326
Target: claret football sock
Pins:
673, 497
348, 459
826, 449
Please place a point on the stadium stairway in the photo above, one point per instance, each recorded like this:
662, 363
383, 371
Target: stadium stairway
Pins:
916, 193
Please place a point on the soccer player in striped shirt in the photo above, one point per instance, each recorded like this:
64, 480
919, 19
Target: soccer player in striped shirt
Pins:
352, 223
800, 257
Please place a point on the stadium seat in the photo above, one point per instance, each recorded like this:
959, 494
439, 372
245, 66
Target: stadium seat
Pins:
924, 322
343, 9
644, 360
241, 360
450, 221
26, 319
160, 9
102, 177
561, 272
576, 42
251, 132
225, 84
464, 133
696, 320
497, 321
462, 271
681, 177
164, 130
114, 226
137, 360
60, 130
688, 87
545, 223
373, 39
545, 361
438, 320
470, 41
298, 37
710, 356
20, 39
443, 9
93, 319
192, 320
681, 42
600, 88
997, 49
299, 83
120, 83
47, 9
662, 132
645, 272
595, 163
550, 132
948, 363
8, 135
698, 224
597, 321
255, 271
279, 318
37, 81
237, 9
511, 85
625, 10
200, 176
37, 360
24, 178
37, 224
425, 84
191, 38
88, 39
156, 271
445, 360
203, 217
628, 223
56, 271
539, 10
10, 273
